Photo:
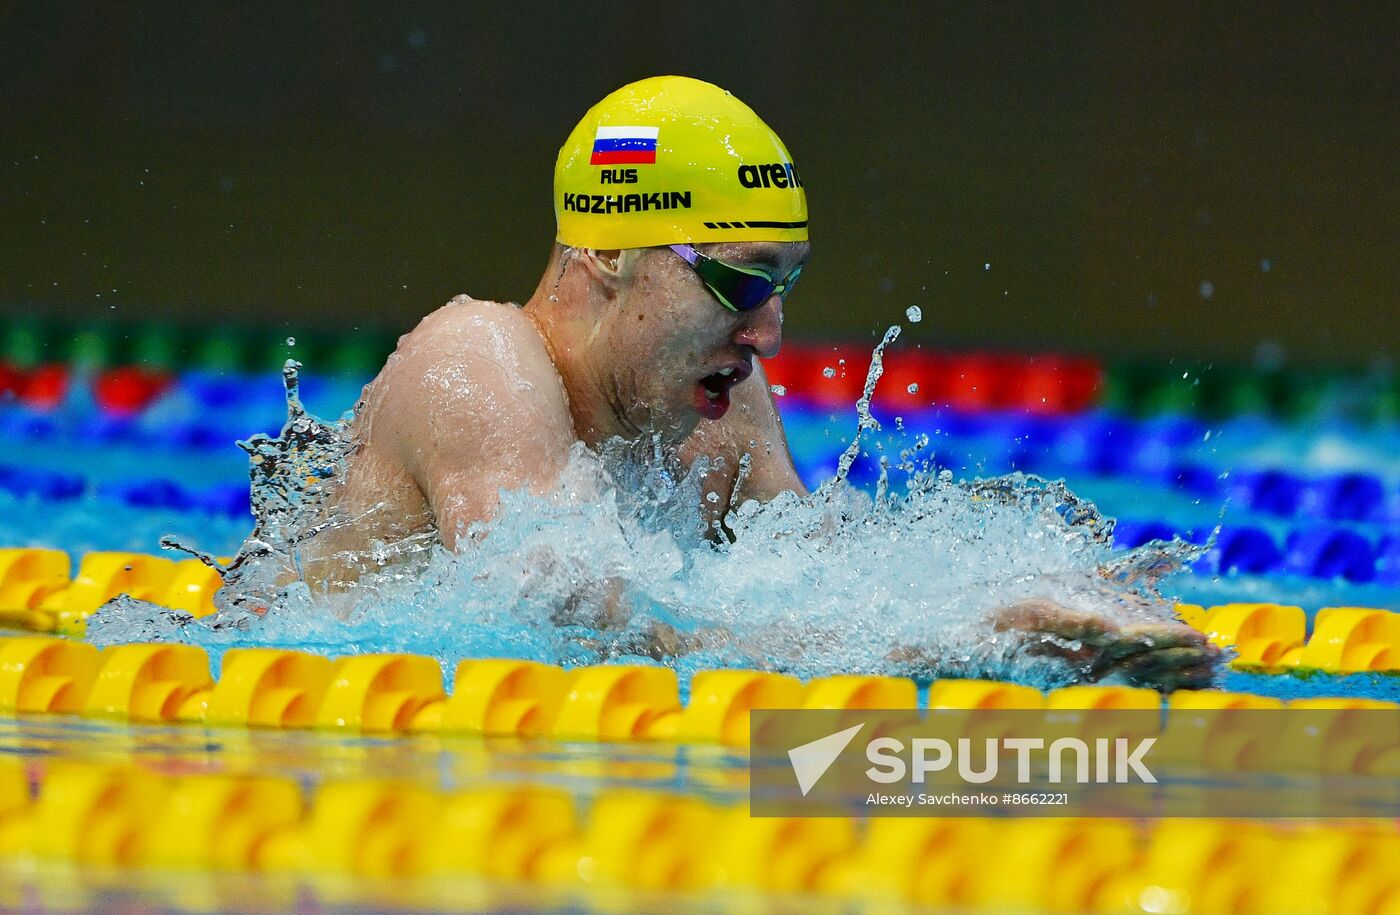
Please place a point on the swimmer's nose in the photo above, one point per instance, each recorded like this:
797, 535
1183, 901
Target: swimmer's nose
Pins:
762, 328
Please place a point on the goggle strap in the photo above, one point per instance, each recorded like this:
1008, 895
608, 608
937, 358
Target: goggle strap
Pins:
687, 253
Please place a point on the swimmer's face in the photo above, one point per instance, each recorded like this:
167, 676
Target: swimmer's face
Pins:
677, 352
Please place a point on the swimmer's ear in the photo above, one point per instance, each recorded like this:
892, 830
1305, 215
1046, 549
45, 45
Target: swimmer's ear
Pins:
604, 266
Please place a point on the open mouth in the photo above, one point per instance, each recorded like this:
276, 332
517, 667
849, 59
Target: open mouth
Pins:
712, 391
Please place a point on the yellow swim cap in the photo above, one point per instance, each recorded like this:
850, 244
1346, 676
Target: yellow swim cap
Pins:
670, 160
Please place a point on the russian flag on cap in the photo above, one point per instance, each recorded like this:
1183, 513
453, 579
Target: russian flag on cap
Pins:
624, 146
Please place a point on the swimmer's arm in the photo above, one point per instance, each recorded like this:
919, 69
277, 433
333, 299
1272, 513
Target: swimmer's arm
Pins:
752, 417
772, 471
1161, 655
475, 410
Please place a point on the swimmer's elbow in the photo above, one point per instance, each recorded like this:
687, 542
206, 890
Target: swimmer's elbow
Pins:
459, 517
797, 487
765, 487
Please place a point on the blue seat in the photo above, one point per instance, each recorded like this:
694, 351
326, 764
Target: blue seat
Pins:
1330, 553
1272, 492
1388, 560
1242, 549
42, 484
149, 494
1128, 534
1348, 497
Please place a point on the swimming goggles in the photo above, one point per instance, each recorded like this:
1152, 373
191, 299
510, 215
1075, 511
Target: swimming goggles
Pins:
737, 288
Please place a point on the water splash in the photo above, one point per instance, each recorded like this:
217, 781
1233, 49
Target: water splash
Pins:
613, 564
865, 420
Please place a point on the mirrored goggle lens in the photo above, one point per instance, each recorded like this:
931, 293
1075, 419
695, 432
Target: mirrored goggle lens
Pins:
738, 289
755, 290
747, 292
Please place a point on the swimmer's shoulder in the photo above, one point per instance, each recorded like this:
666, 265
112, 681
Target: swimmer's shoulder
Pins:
466, 319
466, 332
471, 366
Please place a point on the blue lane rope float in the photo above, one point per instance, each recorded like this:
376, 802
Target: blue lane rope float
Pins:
1318, 551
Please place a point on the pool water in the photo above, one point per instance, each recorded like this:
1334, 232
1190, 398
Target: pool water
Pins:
1308, 514
1304, 513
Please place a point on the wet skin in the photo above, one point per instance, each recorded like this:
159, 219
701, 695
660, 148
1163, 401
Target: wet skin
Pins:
483, 396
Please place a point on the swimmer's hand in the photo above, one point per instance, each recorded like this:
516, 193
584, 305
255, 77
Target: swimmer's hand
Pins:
1165, 656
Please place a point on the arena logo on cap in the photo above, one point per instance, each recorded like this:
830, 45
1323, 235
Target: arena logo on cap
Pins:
770, 174
624, 146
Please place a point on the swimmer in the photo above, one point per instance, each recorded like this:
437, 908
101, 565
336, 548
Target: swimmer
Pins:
681, 233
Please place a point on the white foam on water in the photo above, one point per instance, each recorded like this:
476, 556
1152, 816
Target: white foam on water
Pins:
613, 564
